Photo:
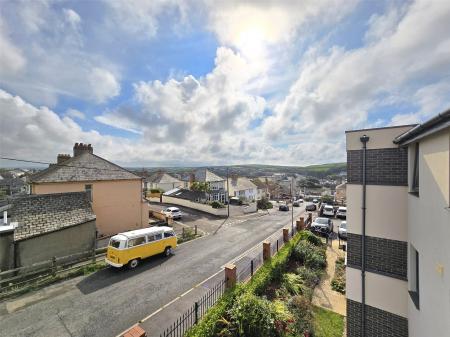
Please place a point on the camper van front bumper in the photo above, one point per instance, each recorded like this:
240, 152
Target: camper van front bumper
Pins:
117, 265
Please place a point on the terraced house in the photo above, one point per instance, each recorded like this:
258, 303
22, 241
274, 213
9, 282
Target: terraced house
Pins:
116, 194
398, 215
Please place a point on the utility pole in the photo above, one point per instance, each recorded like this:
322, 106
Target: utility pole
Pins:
228, 195
292, 208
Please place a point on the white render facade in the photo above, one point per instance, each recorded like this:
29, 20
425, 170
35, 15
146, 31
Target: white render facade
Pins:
407, 231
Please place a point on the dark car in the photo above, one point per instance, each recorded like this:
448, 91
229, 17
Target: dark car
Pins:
311, 207
283, 208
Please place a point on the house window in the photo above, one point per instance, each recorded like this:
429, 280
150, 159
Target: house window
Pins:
413, 277
88, 189
415, 177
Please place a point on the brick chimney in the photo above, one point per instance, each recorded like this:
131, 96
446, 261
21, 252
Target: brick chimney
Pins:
80, 148
62, 158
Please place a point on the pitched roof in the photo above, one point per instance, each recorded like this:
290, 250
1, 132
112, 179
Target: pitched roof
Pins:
205, 175
240, 184
84, 167
162, 178
182, 193
43, 213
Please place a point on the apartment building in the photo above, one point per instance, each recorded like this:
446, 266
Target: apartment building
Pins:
398, 216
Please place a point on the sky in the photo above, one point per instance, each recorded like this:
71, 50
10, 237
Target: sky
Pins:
191, 83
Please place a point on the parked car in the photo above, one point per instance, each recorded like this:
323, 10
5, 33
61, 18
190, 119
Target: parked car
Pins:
328, 210
311, 207
315, 201
296, 203
342, 232
341, 213
173, 212
322, 225
283, 208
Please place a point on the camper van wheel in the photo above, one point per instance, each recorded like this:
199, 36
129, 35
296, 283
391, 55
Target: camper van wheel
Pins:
133, 263
168, 251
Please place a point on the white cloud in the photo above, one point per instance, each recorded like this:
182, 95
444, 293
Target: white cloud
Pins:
52, 38
337, 89
75, 114
103, 84
12, 60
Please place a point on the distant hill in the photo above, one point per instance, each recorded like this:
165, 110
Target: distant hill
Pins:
257, 170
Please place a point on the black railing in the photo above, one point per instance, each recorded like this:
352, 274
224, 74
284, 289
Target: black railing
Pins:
195, 312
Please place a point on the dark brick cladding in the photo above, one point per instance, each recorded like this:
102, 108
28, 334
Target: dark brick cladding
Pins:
383, 256
384, 167
379, 323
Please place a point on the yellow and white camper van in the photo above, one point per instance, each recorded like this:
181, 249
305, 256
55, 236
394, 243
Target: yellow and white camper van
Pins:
129, 248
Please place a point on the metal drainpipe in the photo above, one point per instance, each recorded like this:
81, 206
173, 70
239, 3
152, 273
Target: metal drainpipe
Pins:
364, 139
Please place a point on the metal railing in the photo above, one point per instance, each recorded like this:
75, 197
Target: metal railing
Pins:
195, 312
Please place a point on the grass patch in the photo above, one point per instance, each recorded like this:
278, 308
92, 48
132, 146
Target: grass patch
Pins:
327, 323
187, 235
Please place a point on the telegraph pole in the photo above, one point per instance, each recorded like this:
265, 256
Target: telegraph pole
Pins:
228, 195
292, 208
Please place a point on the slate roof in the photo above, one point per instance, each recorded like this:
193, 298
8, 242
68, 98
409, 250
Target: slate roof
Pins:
240, 184
84, 167
162, 178
204, 175
182, 193
38, 214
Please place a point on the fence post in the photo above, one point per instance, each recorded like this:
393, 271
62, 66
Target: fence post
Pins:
230, 276
251, 267
196, 312
54, 265
195, 230
301, 224
266, 250
277, 245
285, 235
182, 235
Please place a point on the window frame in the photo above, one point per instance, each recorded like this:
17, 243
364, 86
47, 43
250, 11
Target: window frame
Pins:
88, 188
415, 179
414, 276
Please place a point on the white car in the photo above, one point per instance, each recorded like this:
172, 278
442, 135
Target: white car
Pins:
341, 212
328, 210
342, 233
173, 212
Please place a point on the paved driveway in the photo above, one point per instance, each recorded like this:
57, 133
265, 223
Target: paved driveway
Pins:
111, 300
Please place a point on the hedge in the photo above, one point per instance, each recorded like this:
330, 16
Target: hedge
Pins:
269, 271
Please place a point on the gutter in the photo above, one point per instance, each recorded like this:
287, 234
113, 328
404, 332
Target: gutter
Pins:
421, 128
364, 139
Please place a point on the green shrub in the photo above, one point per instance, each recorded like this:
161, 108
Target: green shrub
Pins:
338, 281
217, 204
156, 190
310, 256
292, 283
253, 316
300, 307
310, 277
264, 203
312, 238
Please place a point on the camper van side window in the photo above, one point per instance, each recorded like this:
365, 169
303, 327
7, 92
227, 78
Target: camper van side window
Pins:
150, 238
168, 234
136, 242
158, 236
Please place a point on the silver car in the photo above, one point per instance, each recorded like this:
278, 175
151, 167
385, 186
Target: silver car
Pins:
342, 232
322, 225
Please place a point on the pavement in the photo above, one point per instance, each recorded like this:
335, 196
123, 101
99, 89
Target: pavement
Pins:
111, 300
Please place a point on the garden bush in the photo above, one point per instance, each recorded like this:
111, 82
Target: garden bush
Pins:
338, 281
292, 283
253, 316
312, 238
310, 277
300, 307
217, 204
311, 256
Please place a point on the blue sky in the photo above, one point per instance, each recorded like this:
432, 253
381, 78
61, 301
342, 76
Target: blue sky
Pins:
169, 82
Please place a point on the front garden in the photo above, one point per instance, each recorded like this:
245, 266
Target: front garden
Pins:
277, 300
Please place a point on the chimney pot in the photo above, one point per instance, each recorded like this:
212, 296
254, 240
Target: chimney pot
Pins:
80, 148
62, 158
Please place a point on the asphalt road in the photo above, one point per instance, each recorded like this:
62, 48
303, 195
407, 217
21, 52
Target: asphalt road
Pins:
109, 301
